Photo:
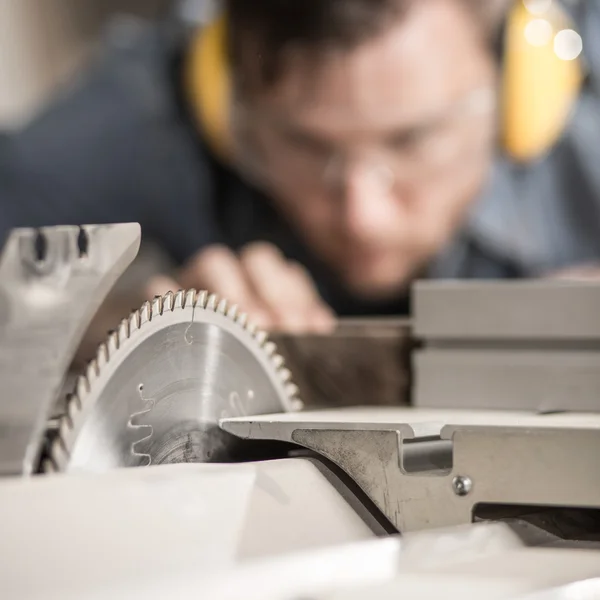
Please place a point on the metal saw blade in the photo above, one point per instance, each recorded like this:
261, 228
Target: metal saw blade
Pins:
159, 386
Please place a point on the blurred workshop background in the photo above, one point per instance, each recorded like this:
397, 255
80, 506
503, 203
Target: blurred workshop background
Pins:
42, 43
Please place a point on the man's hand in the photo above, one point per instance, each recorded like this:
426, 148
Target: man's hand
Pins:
277, 294
587, 272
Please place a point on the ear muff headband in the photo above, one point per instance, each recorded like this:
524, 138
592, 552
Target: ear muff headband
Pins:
537, 95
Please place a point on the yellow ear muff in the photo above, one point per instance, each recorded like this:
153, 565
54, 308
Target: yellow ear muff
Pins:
539, 86
209, 85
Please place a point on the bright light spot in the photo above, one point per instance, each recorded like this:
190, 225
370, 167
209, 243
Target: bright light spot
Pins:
537, 7
568, 44
538, 32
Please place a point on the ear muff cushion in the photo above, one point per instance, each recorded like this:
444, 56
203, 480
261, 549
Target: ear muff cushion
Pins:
208, 83
539, 88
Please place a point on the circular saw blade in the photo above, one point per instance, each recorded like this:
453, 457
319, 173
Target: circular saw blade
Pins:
158, 387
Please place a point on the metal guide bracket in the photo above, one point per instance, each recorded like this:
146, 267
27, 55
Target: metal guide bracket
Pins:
52, 282
527, 465
521, 345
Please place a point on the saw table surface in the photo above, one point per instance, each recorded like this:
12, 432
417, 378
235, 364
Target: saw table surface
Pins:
423, 422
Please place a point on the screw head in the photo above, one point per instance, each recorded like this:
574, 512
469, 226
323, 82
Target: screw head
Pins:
462, 485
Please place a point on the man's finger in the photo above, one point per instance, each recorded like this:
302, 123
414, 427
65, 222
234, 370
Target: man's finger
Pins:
217, 270
319, 317
285, 288
585, 272
264, 267
159, 285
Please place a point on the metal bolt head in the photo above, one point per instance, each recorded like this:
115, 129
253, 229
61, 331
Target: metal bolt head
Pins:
462, 485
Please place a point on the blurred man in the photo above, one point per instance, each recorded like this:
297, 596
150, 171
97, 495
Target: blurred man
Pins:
360, 150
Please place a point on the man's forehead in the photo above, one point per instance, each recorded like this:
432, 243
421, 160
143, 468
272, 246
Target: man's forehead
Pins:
414, 70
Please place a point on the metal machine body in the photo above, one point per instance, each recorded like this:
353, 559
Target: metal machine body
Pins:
525, 345
51, 284
425, 501
429, 468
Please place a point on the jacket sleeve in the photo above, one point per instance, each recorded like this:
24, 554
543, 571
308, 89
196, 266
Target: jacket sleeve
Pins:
113, 148
583, 132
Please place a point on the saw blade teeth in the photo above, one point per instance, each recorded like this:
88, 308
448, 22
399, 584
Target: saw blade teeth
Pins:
202, 299
270, 348
58, 452
64, 427
102, 356
291, 389
157, 306
92, 371
134, 320
73, 407
285, 375
252, 327
145, 313
48, 466
222, 307
211, 303
190, 298
296, 404
242, 319
81, 389
68, 417
261, 337
123, 330
168, 301
112, 343
278, 360
178, 302
232, 313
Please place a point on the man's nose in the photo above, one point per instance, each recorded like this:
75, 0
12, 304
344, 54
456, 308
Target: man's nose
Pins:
368, 201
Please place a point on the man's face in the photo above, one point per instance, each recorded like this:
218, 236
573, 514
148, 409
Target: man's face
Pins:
375, 154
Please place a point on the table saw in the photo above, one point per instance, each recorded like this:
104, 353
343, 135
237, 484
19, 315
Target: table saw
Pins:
188, 460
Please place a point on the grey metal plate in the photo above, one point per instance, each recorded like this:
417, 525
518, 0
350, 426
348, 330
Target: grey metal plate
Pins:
507, 379
519, 310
